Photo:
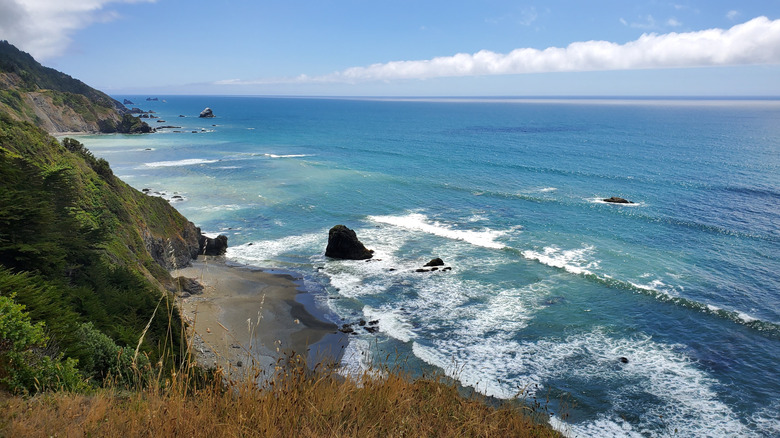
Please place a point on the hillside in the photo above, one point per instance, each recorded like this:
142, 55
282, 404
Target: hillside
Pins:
57, 102
86, 254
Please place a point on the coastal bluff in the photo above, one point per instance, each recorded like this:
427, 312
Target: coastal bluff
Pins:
56, 102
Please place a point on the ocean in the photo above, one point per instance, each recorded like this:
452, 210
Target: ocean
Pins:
656, 318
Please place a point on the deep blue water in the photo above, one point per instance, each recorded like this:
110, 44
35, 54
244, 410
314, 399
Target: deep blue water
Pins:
549, 286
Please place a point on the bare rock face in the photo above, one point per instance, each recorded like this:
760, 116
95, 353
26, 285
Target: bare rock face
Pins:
206, 113
344, 244
173, 252
213, 247
616, 200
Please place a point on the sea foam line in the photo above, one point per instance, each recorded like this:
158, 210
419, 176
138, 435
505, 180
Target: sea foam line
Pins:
186, 162
419, 222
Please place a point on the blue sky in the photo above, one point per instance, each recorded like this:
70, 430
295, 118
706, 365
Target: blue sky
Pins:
365, 47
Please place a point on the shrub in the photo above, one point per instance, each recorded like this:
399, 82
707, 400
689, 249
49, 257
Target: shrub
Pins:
23, 366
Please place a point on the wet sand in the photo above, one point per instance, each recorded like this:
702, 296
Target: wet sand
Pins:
246, 319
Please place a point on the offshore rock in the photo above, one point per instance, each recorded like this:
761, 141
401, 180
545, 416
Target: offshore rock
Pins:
128, 102
616, 200
435, 262
344, 244
213, 247
206, 113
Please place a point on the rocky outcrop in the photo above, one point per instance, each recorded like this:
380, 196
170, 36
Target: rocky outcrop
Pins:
617, 200
206, 113
127, 102
186, 286
344, 244
213, 247
175, 251
435, 262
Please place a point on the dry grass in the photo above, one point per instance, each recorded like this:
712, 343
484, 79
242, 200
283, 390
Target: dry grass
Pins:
298, 402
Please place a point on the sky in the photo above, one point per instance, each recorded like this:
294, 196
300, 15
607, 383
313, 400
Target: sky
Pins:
406, 48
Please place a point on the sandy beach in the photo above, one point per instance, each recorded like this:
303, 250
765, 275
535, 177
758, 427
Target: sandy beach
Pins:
246, 319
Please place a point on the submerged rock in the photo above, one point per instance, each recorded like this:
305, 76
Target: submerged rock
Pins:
206, 113
344, 244
617, 200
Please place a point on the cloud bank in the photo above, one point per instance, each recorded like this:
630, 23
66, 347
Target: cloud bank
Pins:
754, 42
43, 27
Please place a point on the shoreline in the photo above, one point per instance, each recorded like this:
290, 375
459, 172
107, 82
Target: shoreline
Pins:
247, 319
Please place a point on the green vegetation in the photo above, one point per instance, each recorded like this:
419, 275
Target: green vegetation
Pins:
35, 77
72, 253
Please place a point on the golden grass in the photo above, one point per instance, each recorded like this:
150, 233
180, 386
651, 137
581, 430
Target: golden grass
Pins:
297, 402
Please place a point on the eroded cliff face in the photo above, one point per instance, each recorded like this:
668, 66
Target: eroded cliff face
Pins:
173, 251
57, 118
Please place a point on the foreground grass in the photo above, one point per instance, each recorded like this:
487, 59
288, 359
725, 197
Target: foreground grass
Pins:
297, 402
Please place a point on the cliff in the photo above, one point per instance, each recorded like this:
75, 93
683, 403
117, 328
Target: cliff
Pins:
86, 254
57, 102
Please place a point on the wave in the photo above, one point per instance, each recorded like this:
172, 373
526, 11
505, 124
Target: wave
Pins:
659, 380
186, 162
287, 156
576, 261
485, 238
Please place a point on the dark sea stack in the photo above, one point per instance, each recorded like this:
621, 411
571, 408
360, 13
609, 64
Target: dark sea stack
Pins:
435, 262
616, 200
206, 113
128, 102
213, 247
344, 244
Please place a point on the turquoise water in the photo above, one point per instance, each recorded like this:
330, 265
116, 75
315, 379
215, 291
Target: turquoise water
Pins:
549, 286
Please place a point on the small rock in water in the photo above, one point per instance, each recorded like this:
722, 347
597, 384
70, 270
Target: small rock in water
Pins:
624, 359
617, 200
435, 262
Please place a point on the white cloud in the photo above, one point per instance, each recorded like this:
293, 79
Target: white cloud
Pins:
754, 42
44, 27
673, 22
732, 14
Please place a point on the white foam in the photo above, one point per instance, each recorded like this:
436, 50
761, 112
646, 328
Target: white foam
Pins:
681, 394
419, 222
262, 252
356, 360
187, 162
287, 156
225, 207
745, 317
548, 189
572, 260
391, 322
